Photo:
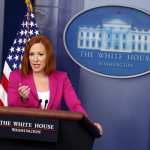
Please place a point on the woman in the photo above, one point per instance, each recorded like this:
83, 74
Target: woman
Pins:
38, 84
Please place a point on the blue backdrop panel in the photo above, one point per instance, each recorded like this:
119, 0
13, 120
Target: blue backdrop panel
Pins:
121, 105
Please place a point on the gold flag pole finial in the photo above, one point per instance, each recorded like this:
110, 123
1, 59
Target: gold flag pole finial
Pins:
29, 5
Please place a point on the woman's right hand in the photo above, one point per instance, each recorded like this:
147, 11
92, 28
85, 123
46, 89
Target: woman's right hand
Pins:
24, 91
99, 127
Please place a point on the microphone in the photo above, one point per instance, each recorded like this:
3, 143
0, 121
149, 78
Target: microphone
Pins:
40, 101
46, 102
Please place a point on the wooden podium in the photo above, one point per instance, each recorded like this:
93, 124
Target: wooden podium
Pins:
35, 129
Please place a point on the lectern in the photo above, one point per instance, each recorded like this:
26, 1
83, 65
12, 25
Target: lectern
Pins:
35, 129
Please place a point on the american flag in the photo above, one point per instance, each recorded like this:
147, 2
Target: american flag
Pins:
28, 28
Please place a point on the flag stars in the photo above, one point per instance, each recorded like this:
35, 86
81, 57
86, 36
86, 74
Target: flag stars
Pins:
26, 24
32, 15
31, 24
15, 41
24, 40
20, 41
31, 32
23, 24
9, 57
18, 49
21, 32
27, 15
25, 32
12, 49
16, 57
28, 29
14, 66
36, 32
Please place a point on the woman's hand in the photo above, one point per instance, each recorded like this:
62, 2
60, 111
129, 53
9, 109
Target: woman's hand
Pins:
24, 91
99, 127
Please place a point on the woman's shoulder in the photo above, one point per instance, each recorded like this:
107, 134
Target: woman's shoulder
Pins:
15, 75
15, 72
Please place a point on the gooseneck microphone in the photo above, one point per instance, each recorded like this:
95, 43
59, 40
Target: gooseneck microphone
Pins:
40, 101
46, 102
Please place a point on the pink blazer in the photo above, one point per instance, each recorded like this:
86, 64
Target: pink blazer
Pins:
60, 87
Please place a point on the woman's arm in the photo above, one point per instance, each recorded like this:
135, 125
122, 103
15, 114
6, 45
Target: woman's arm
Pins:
74, 103
71, 98
13, 95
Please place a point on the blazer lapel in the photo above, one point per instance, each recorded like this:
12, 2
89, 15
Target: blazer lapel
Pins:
52, 84
53, 87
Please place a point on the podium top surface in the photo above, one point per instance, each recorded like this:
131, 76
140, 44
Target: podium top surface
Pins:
36, 112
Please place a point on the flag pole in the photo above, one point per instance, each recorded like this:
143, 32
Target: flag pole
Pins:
30, 10
29, 5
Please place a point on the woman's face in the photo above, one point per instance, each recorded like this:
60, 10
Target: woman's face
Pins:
37, 58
